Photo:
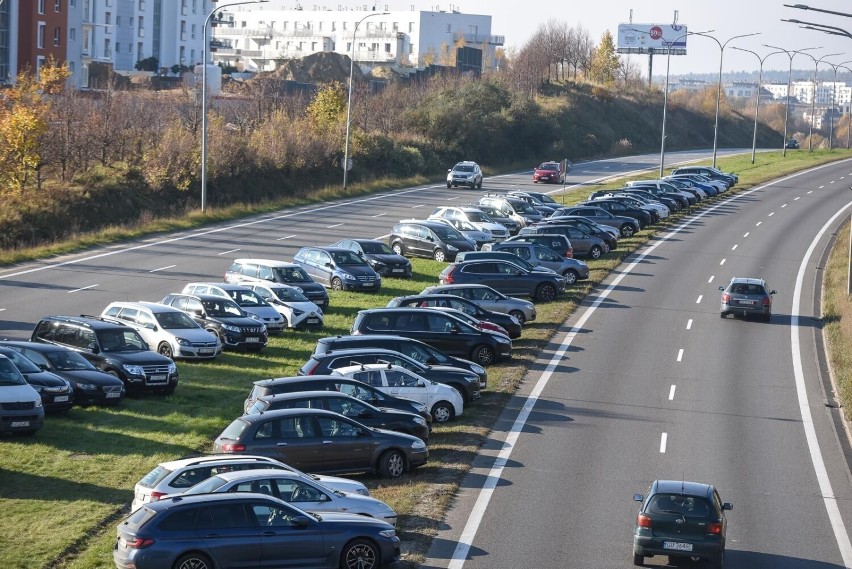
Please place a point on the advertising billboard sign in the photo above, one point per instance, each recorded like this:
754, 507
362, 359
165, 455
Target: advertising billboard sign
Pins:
652, 38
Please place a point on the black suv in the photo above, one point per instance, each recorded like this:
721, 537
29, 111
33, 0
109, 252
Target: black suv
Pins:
428, 238
112, 347
463, 381
221, 316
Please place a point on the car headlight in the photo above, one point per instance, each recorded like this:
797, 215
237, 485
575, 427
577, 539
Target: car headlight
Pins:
38, 388
514, 320
420, 420
418, 444
38, 403
471, 379
348, 277
452, 248
230, 328
421, 408
529, 306
319, 311
376, 263
183, 342
255, 317
477, 369
502, 339
362, 491
387, 533
133, 369
87, 386
172, 368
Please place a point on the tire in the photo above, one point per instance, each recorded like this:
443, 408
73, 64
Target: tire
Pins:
483, 355
571, 276
545, 292
397, 248
165, 349
336, 284
479, 185
449, 185
638, 560
392, 464
519, 316
595, 252
440, 255
193, 561
723, 315
443, 411
627, 230
360, 554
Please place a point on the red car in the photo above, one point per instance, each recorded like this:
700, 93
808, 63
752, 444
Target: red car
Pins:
551, 172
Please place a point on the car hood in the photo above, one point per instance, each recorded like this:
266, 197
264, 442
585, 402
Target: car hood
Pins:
23, 392
388, 259
358, 270
343, 484
445, 371
308, 286
461, 245
238, 321
266, 312
193, 334
348, 520
303, 306
89, 376
142, 357
44, 379
490, 226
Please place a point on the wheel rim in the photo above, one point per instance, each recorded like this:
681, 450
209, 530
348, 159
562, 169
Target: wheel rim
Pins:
570, 277
439, 256
519, 316
485, 355
396, 465
595, 252
166, 350
442, 414
193, 563
547, 293
361, 556
397, 249
336, 284
627, 231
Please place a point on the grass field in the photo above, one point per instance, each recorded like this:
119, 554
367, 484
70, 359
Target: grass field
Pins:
63, 491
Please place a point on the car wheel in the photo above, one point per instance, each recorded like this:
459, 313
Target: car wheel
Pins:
449, 185
397, 248
723, 315
392, 464
595, 252
336, 284
164, 349
479, 185
483, 355
519, 316
638, 559
571, 276
545, 292
442, 412
440, 256
627, 230
193, 561
360, 554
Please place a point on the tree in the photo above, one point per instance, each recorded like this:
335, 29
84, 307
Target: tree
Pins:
328, 107
148, 64
605, 61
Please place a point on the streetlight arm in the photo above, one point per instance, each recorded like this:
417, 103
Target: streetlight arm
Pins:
804, 7
819, 27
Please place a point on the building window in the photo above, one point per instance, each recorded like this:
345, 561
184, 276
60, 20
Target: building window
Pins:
194, 6
183, 30
449, 28
118, 22
183, 7
72, 3
107, 48
141, 5
57, 6
40, 39
141, 27
284, 25
71, 66
72, 34
117, 47
182, 55
396, 26
193, 31
108, 2
139, 51
57, 37
131, 23
410, 27
108, 22
41, 6
192, 56
387, 48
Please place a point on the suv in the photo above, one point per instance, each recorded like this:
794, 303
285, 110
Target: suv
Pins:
222, 316
113, 347
475, 216
559, 244
549, 172
516, 208
167, 330
545, 210
510, 324
505, 219
338, 268
248, 300
506, 277
710, 172
582, 244
278, 272
20, 405
465, 174
746, 296
540, 256
428, 238
57, 394
627, 226
379, 256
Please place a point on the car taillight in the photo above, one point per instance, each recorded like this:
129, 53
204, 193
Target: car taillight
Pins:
766, 301
139, 543
157, 495
714, 528
726, 298
569, 253
448, 278
643, 521
233, 447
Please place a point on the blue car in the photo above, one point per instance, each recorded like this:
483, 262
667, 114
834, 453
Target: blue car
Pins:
338, 268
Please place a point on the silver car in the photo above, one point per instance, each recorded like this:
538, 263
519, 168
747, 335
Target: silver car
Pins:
296, 489
540, 256
247, 299
487, 298
745, 296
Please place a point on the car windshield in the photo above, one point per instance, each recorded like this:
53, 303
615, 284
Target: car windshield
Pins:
289, 295
69, 361
9, 374
447, 233
220, 308
465, 225
246, 298
21, 362
375, 248
493, 212
347, 258
121, 341
290, 275
175, 321
523, 207
463, 168
549, 166
546, 199
478, 217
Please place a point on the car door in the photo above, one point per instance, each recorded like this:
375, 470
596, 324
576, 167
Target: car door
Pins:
579, 240
405, 384
231, 535
450, 335
346, 445
286, 543
545, 257
293, 440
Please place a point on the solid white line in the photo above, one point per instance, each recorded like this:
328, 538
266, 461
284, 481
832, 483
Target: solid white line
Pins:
680, 355
663, 439
828, 496
722, 262
747, 233
710, 280
689, 324
84, 288
333, 226
226, 252
162, 268
286, 237
734, 248
700, 296
671, 393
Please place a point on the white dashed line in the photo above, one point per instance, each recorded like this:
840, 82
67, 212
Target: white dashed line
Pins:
663, 440
821, 187
84, 288
700, 296
722, 262
785, 205
842, 177
797, 198
710, 280
671, 393
680, 355
758, 224
810, 191
333, 226
734, 248
286, 237
2, 309
452, 198
689, 324
771, 214
746, 234
831, 182
162, 268
226, 252
379, 215
418, 205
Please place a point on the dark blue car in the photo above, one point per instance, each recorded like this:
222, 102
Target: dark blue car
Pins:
338, 268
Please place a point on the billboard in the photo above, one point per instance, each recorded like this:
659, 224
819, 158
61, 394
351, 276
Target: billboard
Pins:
651, 38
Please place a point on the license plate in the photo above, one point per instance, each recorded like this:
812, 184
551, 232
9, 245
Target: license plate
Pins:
677, 546
158, 378
113, 395
252, 339
313, 320
747, 302
397, 270
367, 284
60, 399
20, 424
206, 351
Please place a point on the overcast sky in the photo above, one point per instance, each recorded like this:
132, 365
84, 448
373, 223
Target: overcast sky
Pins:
518, 21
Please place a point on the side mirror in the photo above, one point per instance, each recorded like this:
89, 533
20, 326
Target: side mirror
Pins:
360, 253
198, 312
638, 498
330, 265
727, 506
772, 291
363, 433
44, 367
153, 327
93, 347
721, 288
449, 169
301, 521
454, 329
421, 383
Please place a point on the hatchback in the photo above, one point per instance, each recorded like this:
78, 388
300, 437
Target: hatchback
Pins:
516, 208
428, 238
626, 225
472, 233
338, 269
509, 323
549, 172
243, 270
681, 519
512, 224
244, 529
290, 302
583, 244
477, 217
746, 296
379, 256
572, 269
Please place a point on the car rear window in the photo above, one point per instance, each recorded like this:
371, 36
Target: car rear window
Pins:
680, 504
234, 430
154, 477
139, 517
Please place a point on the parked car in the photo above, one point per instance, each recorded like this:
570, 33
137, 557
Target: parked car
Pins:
380, 257
506, 277
112, 347
632, 203
537, 255
243, 270
626, 225
545, 210
295, 489
91, 385
336, 384
792, 144
488, 298
582, 244
322, 441
673, 203
440, 330
465, 174
462, 380
605, 233
21, 410
221, 316
57, 394
338, 269
542, 197
549, 173
713, 173
685, 183
428, 238
166, 330
348, 406
475, 216
478, 237
516, 208
666, 188
246, 299
556, 243
681, 520
746, 296
512, 224
475, 322
269, 533
509, 323
177, 476
291, 303
707, 187
444, 402
621, 209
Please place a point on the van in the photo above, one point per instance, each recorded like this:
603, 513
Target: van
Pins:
20, 405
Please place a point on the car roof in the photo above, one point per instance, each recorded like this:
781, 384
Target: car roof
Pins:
398, 309
682, 487
170, 501
282, 413
326, 248
213, 460
268, 262
426, 222
93, 322
748, 280
37, 346
364, 367
152, 306
223, 286
258, 473
323, 394
293, 379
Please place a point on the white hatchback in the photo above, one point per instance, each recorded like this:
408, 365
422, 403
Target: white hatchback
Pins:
444, 402
297, 310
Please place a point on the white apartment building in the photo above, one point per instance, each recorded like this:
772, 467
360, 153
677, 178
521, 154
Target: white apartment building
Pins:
827, 93
258, 36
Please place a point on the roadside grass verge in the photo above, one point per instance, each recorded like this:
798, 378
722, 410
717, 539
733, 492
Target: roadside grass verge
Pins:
837, 319
63, 489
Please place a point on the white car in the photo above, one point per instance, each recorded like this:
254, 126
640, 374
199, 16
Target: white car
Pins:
477, 237
477, 217
177, 476
297, 490
290, 302
443, 401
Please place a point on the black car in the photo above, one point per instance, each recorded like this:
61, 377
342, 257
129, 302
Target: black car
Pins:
463, 381
348, 406
113, 347
681, 519
438, 329
509, 323
221, 316
583, 243
616, 207
91, 385
671, 202
338, 269
57, 394
586, 226
627, 226
508, 278
383, 260
428, 238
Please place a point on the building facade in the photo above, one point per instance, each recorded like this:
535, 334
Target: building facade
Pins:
8, 45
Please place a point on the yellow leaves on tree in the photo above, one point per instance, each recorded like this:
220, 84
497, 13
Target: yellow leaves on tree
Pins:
328, 107
21, 130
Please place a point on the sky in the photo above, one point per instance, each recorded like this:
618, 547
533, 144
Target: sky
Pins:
727, 18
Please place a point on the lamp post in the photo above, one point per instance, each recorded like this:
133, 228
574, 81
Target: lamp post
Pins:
719, 91
790, 54
757, 98
349, 99
835, 67
848, 116
204, 96
813, 97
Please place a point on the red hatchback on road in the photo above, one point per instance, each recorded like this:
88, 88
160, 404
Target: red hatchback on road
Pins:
549, 172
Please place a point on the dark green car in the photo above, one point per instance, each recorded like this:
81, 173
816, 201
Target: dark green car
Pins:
681, 519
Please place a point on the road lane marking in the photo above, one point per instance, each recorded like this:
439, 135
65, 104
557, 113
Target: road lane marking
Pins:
671, 393
797, 198
734, 248
810, 191
162, 268
680, 355
333, 226
226, 252
758, 224
83, 288
785, 205
2, 309
286, 237
379, 214
722, 262
418, 205
452, 198
771, 214
746, 234
821, 187
700, 296
831, 182
710, 280
663, 439
689, 324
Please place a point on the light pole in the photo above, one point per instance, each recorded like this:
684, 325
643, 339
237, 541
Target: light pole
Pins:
204, 96
848, 116
757, 98
834, 66
349, 99
813, 97
790, 54
719, 91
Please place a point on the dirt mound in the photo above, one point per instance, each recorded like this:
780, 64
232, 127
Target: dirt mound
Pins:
323, 67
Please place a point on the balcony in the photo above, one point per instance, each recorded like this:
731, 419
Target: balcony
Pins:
476, 39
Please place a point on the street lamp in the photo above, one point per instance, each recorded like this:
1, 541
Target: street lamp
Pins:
790, 54
834, 66
813, 97
719, 91
349, 99
848, 115
204, 96
757, 98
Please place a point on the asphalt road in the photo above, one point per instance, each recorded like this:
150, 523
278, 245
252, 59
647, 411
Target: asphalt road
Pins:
652, 384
